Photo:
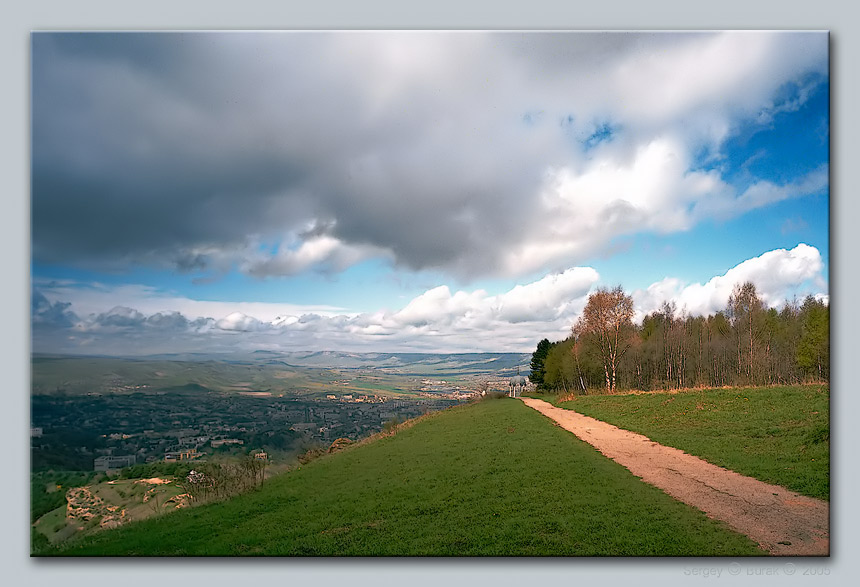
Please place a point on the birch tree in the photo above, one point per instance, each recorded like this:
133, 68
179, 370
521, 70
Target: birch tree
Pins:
607, 320
746, 310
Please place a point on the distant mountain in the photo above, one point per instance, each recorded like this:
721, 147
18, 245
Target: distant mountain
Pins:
410, 362
299, 373
192, 387
406, 362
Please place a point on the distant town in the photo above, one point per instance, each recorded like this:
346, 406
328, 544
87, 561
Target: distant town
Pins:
105, 432
104, 414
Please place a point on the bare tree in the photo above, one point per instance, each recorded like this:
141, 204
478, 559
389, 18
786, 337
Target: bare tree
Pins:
746, 309
608, 320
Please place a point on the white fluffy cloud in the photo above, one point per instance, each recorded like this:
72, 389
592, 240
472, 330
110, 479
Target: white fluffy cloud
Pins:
439, 320
652, 189
322, 251
778, 275
239, 322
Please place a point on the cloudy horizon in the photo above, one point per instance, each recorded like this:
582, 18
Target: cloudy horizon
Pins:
415, 191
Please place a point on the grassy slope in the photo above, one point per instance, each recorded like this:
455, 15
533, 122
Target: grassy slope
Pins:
775, 434
493, 478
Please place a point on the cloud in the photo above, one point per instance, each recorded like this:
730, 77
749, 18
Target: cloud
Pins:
439, 307
239, 322
544, 301
44, 314
437, 320
727, 204
586, 209
168, 321
122, 319
474, 154
323, 252
778, 275
548, 299
119, 318
91, 298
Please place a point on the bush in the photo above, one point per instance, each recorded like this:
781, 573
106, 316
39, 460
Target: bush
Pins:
339, 444
39, 543
494, 395
222, 480
310, 455
390, 427
41, 501
155, 469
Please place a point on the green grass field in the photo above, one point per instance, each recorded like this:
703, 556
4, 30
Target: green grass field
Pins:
492, 478
776, 434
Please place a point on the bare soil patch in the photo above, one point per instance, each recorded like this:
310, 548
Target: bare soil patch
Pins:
782, 522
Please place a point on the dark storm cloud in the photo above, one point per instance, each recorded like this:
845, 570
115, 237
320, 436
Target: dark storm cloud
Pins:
131, 162
181, 150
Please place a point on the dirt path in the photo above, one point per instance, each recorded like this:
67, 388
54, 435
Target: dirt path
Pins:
782, 522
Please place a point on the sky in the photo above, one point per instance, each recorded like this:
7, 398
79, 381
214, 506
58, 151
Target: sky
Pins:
415, 191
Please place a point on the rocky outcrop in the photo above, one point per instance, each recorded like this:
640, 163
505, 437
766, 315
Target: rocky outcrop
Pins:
82, 506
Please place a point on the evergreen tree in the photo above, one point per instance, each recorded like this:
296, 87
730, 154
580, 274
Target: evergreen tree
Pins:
538, 363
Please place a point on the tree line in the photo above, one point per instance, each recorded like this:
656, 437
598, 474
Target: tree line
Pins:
744, 344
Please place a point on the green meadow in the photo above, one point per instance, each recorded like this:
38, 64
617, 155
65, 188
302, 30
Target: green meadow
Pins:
780, 435
491, 478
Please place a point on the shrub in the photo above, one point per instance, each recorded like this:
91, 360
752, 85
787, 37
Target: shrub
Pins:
310, 455
208, 481
39, 543
494, 395
339, 444
390, 427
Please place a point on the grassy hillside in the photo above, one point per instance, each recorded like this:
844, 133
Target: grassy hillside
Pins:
493, 478
776, 434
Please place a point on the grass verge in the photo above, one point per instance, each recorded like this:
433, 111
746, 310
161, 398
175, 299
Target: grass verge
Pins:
492, 478
780, 435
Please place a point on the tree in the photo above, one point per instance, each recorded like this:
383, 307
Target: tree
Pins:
813, 349
719, 348
745, 344
560, 370
538, 363
746, 311
607, 320
785, 341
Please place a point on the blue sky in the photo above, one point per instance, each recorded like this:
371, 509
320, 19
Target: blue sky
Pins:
415, 191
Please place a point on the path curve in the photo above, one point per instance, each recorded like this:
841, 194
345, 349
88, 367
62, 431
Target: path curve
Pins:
782, 522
